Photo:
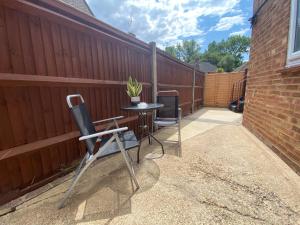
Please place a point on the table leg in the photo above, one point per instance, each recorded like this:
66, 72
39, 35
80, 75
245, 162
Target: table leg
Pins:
144, 129
141, 127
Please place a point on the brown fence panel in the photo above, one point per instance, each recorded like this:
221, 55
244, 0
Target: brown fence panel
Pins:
47, 53
45, 58
199, 89
218, 88
175, 75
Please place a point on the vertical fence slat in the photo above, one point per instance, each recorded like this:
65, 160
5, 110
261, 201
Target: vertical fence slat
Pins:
66, 52
26, 44
5, 64
6, 133
74, 53
37, 45
14, 41
58, 51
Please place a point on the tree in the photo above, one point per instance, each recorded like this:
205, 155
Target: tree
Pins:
237, 45
227, 54
172, 51
227, 62
187, 52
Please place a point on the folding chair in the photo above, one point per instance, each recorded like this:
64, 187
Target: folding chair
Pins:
170, 115
120, 141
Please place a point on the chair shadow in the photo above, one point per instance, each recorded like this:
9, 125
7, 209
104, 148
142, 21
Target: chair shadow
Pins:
107, 196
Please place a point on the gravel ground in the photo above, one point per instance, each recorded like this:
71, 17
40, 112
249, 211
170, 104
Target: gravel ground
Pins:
225, 176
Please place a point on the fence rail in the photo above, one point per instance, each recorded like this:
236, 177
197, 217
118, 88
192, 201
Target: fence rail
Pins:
49, 50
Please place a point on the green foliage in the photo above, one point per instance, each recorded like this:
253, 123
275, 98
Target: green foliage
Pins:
220, 70
226, 54
227, 62
172, 51
188, 51
134, 88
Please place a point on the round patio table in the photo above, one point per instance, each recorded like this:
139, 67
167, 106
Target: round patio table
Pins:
142, 123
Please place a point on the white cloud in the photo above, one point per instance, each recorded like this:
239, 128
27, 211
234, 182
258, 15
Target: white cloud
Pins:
240, 32
226, 23
163, 21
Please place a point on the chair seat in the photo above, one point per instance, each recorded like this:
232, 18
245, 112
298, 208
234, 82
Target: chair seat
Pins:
165, 122
128, 140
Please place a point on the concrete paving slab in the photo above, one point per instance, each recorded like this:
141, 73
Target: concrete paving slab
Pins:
224, 176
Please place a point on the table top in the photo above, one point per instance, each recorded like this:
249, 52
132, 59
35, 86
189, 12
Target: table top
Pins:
148, 107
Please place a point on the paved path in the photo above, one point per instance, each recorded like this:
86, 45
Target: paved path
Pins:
225, 176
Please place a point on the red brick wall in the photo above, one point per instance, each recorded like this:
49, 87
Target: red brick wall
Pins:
272, 110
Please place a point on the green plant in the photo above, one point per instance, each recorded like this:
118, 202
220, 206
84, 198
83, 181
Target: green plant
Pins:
220, 70
134, 88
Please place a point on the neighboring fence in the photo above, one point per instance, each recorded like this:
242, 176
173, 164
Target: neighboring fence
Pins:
219, 88
238, 89
49, 50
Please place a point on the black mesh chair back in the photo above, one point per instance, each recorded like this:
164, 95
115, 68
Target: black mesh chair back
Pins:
83, 121
85, 125
170, 100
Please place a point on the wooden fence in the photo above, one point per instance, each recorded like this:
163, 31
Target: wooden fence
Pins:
49, 50
219, 87
172, 75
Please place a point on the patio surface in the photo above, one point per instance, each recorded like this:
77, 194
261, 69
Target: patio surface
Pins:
225, 176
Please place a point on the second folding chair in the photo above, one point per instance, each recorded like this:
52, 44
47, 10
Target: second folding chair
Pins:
170, 115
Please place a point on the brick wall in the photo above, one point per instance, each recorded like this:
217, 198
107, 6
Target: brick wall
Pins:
272, 110
218, 88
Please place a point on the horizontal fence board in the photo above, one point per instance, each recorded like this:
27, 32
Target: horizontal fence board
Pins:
21, 149
36, 80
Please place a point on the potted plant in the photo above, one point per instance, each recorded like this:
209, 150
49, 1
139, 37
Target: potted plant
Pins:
134, 89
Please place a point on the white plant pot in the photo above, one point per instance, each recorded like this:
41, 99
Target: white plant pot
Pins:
135, 100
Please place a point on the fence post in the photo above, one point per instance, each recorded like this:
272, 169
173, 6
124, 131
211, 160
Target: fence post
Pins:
196, 66
153, 70
193, 90
153, 79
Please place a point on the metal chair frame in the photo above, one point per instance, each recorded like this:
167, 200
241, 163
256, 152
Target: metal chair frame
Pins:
177, 121
89, 158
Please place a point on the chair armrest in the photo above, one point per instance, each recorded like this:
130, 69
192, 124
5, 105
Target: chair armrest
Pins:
109, 119
99, 134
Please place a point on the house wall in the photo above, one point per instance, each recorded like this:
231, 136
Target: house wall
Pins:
272, 110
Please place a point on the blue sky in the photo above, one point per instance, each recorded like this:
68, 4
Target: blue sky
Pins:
168, 22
